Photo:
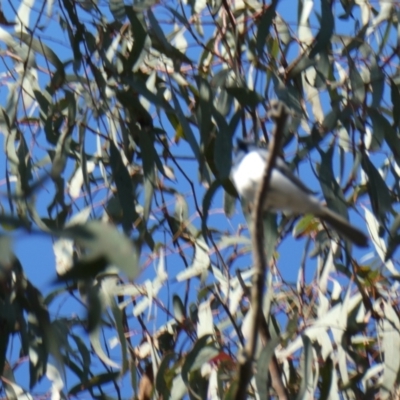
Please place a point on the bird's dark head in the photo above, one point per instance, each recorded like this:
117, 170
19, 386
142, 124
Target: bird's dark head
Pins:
243, 145
247, 145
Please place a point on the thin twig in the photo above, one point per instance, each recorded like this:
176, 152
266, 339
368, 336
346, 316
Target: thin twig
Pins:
279, 113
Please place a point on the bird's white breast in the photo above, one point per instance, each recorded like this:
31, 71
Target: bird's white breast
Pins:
283, 193
247, 175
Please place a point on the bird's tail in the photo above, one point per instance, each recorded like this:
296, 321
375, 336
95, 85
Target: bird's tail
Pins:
343, 227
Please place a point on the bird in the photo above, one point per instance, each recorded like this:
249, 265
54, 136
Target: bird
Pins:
286, 192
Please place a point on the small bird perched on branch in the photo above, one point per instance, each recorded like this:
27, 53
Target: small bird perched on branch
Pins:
286, 192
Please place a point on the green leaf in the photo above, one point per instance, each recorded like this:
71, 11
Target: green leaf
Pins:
137, 84
22, 50
181, 212
199, 384
157, 29
204, 109
324, 71
263, 362
331, 120
264, 27
104, 245
270, 234
394, 238
95, 381
150, 158
187, 130
44, 50
81, 133
140, 44
357, 83
62, 150
179, 309
119, 324
206, 206
215, 6
377, 83
393, 141
24, 165
327, 374
9, 222
395, 97
246, 97
161, 43
289, 93
230, 394
75, 35
348, 6
203, 351
324, 35
59, 221
227, 241
305, 368
355, 42
207, 55
95, 341
124, 186
331, 189
12, 104
378, 191
303, 225
299, 65
85, 355
390, 342
74, 368
165, 376
179, 388
222, 147
117, 8
182, 19
95, 307
382, 128
4, 340
379, 123
229, 204
42, 339
9, 385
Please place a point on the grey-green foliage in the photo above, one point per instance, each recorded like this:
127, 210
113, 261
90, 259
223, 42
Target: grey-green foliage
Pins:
118, 125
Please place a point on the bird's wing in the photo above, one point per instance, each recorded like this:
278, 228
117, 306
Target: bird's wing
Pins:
284, 169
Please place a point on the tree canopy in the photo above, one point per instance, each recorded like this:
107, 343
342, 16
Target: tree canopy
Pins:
119, 123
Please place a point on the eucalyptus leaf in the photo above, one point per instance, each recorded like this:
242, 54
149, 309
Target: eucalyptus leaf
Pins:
357, 83
124, 188
246, 97
326, 30
142, 41
203, 351
204, 111
395, 97
179, 309
378, 191
264, 26
263, 363
117, 8
104, 245
377, 83
331, 189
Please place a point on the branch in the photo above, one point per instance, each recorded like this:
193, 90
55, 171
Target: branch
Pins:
280, 114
